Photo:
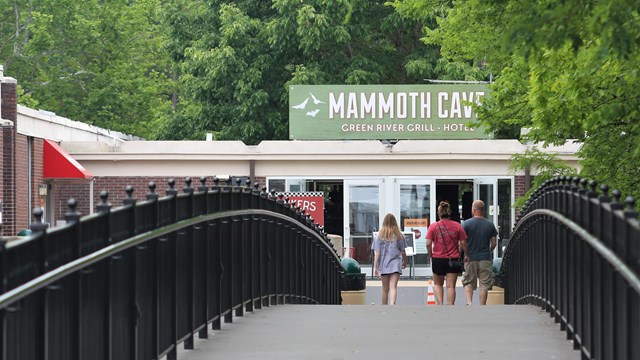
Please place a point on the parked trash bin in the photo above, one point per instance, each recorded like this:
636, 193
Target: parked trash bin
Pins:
353, 283
354, 278
24, 232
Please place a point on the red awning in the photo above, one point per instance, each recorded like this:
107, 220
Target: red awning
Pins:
58, 164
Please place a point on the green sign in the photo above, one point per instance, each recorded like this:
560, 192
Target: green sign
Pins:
333, 112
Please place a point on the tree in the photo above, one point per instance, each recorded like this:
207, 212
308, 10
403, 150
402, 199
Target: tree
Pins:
234, 75
100, 62
564, 70
547, 166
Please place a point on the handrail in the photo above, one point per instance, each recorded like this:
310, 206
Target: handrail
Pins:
596, 244
575, 253
56, 274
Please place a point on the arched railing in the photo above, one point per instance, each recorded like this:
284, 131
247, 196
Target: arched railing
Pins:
576, 253
136, 281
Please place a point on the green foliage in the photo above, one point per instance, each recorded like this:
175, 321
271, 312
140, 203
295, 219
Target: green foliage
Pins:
235, 73
565, 70
546, 166
100, 62
610, 156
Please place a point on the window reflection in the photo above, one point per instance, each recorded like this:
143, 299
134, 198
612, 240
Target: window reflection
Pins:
364, 218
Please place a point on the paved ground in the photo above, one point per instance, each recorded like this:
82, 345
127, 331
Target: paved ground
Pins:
408, 330
411, 292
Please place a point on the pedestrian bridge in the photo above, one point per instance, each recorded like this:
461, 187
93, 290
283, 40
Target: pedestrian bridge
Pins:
384, 332
234, 271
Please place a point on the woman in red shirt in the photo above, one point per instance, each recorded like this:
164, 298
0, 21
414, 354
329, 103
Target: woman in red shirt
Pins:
445, 238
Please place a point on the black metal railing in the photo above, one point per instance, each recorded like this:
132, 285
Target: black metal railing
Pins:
576, 253
136, 281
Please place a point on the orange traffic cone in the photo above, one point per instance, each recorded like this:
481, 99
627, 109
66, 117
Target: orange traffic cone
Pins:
431, 298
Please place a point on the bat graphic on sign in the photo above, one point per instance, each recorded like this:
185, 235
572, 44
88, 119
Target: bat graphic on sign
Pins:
315, 100
302, 105
313, 113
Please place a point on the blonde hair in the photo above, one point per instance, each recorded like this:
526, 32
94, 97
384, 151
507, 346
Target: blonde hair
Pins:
389, 228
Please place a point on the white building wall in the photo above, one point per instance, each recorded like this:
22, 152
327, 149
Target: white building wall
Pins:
306, 158
47, 125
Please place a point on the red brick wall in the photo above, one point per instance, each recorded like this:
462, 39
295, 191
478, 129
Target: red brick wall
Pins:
62, 190
37, 171
9, 112
8, 176
519, 186
21, 182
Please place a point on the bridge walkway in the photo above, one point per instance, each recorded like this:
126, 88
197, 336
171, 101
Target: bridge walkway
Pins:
384, 332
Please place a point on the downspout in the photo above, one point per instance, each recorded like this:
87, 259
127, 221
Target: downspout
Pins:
91, 196
252, 171
527, 179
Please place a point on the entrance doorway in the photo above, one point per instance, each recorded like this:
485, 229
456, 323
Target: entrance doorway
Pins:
333, 191
459, 194
355, 206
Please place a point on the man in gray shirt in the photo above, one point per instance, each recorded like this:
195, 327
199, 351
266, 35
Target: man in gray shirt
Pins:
481, 240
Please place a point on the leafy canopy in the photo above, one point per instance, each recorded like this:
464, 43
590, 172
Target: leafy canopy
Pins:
99, 62
563, 69
236, 67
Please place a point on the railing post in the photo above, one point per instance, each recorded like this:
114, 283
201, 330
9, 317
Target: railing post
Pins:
73, 217
264, 249
201, 251
104, 207
130, 257
4, 341
256, 292
287, 254
247, 261
38, 230
279, 252
152, 252
171, 244
186, 269
631, 325
226, 255
237, 272
215, 266
632, 235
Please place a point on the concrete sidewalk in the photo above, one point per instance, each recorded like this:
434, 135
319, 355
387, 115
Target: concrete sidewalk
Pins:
412, 292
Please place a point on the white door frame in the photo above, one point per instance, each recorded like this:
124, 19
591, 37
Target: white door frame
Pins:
397, 182
492, 210
346, 199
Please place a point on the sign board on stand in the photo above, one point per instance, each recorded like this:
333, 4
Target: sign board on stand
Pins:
419, 228
311, 202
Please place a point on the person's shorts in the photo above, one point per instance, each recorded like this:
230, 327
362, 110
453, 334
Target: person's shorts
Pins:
475, 271
441, 267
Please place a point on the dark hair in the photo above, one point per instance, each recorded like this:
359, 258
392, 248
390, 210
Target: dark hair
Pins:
444, 210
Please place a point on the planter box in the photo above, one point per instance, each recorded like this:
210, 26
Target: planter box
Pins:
496, 296
353, 297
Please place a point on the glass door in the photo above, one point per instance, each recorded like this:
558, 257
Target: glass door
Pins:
486, 189
413, 206
363, 204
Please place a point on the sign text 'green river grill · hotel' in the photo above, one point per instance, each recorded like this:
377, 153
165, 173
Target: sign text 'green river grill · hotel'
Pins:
335, 112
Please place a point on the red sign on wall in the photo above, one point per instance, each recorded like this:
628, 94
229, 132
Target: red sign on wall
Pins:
311, 202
